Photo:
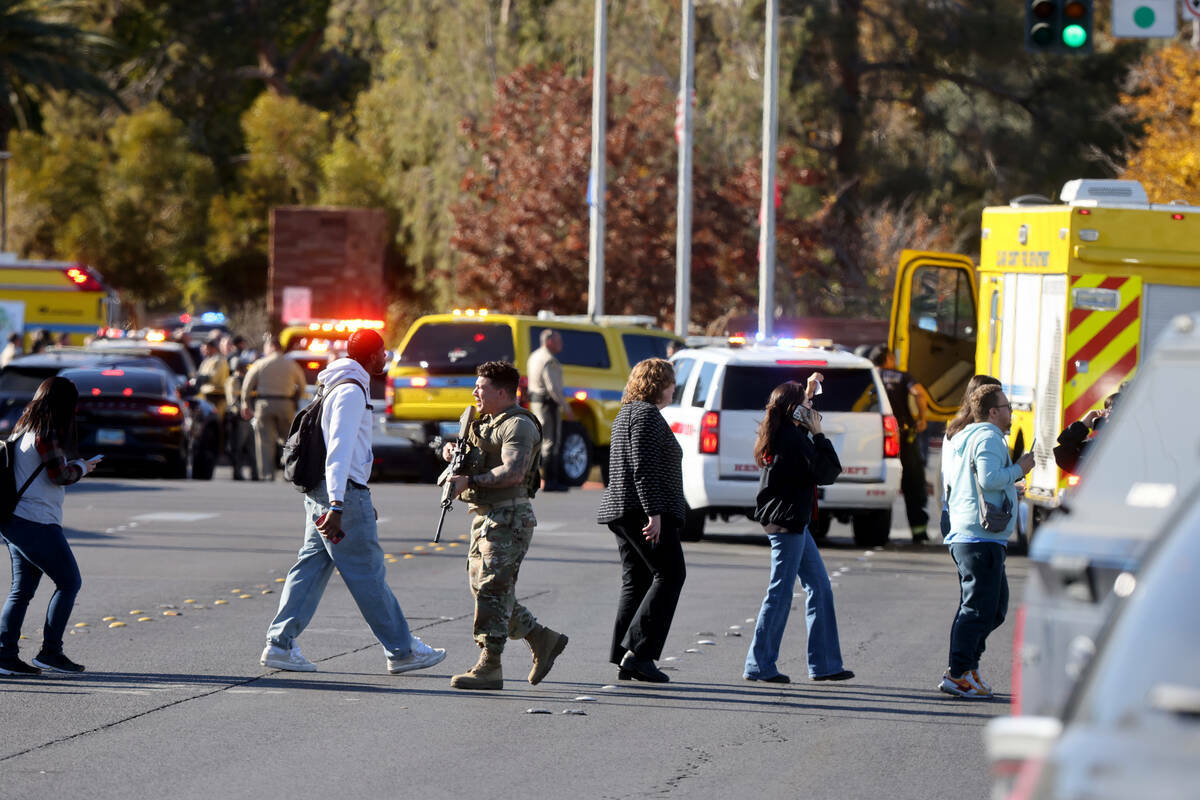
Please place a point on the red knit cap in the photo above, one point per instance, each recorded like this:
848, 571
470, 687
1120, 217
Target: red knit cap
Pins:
363, 343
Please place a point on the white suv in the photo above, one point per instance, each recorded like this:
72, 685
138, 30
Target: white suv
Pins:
719, 399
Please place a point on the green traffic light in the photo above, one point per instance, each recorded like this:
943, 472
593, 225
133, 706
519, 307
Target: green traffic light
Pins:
1074, 36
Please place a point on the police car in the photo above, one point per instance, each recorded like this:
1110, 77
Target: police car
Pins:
720, 395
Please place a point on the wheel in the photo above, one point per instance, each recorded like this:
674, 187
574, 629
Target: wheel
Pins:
819, 528
575, 457
204, 455
872, 528
693, 526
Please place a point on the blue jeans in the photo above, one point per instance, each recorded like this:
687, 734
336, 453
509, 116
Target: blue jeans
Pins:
795, 555
35, 549
359, 559
983, 601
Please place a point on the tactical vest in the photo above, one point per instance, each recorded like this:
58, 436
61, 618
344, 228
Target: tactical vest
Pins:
483, 455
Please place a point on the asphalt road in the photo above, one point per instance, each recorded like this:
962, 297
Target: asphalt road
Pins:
177, 705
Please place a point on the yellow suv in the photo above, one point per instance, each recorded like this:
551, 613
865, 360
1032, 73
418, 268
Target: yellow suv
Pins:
431, 379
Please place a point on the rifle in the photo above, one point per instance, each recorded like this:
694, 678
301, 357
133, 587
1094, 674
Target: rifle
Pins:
456, 465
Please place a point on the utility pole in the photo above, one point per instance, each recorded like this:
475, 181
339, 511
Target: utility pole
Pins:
683, 223
4, 157
766, 234
597, 180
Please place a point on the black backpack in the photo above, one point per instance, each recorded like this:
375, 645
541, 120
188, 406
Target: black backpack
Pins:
304, 450
9, 494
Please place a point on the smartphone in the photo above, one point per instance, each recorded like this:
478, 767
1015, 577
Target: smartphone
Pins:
336, 537
803, 415
94, 459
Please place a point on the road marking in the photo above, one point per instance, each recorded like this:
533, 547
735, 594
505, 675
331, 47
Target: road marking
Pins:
175, 516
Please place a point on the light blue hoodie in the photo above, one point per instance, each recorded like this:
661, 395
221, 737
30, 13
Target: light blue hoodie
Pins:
981, 444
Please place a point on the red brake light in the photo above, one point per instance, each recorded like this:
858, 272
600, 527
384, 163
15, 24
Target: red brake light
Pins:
801, 362
891, 437
113, 373
95, 391
313, 364
1177, 216
710, 432
127, 391
1072, 480
168, 411
1085, 211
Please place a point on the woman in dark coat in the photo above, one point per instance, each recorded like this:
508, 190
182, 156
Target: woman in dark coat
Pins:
644, 506
795, 457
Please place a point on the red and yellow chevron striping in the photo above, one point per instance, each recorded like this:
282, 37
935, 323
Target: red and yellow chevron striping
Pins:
1102, 346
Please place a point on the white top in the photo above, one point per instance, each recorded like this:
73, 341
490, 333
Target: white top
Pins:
43, 500
346, 423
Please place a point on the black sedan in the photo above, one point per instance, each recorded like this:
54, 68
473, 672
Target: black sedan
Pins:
136, 418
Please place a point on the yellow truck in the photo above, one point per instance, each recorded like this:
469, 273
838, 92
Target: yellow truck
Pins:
58, 296
431, 379
1065, 302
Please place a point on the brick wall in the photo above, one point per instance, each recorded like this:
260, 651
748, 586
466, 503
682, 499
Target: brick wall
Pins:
336, 252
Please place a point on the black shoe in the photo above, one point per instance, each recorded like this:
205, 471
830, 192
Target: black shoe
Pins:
844, 675
11, 665
642, 669
624, 675
779, 678
56, 663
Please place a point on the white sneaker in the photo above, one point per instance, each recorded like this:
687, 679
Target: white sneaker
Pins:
422, 656
279, 658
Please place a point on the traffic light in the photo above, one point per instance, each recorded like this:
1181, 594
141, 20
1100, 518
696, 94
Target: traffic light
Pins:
1058, 26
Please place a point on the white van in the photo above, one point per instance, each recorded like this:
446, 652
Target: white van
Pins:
719, 399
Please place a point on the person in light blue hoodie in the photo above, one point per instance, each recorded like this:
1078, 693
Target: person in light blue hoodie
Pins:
980, 456
961, 420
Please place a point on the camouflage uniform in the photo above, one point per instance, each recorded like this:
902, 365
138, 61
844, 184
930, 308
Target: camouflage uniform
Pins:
502, 529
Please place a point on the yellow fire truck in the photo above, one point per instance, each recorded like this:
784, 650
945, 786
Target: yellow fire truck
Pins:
58, 296
1064, 304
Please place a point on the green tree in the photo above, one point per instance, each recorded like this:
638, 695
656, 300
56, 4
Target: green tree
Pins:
41, 53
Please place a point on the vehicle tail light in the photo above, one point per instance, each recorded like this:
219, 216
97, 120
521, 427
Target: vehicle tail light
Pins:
419, 382
1017, 644
1072, 480
168, 411
581, 395
891, 437
389, 394
523, 392
313, 365
710, 432
113, 373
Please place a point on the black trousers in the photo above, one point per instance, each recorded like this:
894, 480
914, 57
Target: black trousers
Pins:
651, 579
912, 482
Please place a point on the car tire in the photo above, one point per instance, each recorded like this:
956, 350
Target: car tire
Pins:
204, 456
872, 528
693, 526
819, 528
575, 455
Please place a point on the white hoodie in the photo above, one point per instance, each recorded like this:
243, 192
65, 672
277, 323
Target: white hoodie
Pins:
346, 422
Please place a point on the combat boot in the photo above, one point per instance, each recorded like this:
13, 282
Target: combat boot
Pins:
485, 674
545, 645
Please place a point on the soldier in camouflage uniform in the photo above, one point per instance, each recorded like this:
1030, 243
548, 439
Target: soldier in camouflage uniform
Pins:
501, 477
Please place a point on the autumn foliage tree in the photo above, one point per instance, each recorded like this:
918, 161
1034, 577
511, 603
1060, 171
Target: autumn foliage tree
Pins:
522, 227
1165, 98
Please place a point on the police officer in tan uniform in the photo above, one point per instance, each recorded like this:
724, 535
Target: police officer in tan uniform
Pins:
501, 477
548, 402
270, 392
211, 376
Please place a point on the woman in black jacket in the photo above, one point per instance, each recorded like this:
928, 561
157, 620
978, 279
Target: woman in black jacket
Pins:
644, 506
795, 458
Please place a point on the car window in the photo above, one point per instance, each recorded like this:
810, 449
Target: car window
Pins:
683, 368
703, 384
748, 387
116, 382
24, 380
1154, 642
580, 348
178, 360
460, 347
639, 347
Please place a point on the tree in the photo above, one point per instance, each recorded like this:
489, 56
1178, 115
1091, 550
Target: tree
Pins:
1164, 98
522, 228
40, 54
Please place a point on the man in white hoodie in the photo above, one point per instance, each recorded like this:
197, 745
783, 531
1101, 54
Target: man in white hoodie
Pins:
341, 530
982, 472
